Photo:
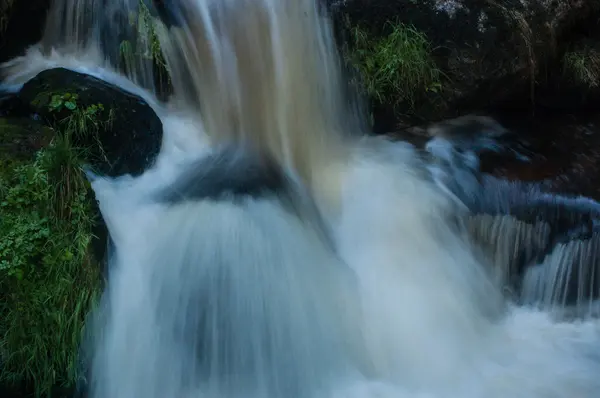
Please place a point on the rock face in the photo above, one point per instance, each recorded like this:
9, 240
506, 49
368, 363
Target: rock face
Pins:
21, 25
123, 131
497, 51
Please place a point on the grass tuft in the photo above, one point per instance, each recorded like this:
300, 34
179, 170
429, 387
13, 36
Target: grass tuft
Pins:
396, 68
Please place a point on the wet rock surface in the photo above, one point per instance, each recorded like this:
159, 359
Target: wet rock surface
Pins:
563, 151
21, 137
565, 155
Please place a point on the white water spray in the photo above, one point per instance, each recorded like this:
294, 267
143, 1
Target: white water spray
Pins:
254, 295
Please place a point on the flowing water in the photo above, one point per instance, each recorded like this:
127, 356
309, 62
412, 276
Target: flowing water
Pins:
274, 250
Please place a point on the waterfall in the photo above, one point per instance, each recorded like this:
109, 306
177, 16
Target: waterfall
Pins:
276, 250
543, 246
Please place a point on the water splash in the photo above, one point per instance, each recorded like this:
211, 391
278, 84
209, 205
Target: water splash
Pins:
225, 302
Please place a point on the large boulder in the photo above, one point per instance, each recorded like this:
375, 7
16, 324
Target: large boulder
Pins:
122, 130
493, 52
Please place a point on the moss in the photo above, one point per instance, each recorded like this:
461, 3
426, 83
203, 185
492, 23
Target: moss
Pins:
147, 45
583, 67
48, 278
396, 68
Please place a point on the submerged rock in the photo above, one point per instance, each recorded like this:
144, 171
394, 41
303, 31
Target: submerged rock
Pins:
122, 131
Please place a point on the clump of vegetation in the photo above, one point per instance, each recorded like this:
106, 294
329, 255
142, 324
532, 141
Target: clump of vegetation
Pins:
583, 66
147, 46
395, 68
83, 124
48, 277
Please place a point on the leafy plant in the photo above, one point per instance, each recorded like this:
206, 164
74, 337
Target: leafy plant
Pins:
60, 101
395, 68
48, 279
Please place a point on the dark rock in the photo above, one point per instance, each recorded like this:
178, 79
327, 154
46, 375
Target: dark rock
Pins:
129, 133
21, 25
564, 152
20, 138
493, 52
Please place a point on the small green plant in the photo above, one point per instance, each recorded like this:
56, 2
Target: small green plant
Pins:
396, 68
60, 101
82, 124
583, 66
48, 279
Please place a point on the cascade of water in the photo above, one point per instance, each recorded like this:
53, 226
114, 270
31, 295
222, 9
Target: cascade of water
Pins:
225, 302
227, 282
117, 34
265, 72
569, 275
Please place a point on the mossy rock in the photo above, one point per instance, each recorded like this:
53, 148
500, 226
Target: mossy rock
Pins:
493, 54
122, 130
20, 138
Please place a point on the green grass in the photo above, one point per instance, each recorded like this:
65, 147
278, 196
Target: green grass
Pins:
48, 279
395, 68
583, 67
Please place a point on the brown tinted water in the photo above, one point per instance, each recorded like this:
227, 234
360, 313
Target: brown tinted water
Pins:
564, 152
565, 155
